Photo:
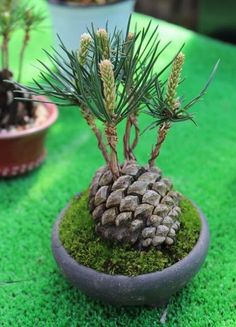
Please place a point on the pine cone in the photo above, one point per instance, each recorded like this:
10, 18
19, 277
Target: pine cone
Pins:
139, 208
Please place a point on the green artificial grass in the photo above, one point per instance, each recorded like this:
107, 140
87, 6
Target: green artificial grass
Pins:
202, 164
77, 234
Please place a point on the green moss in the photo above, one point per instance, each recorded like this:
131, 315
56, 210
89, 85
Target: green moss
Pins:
78, 237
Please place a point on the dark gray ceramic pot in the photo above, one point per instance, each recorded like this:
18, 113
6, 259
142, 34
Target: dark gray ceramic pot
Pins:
154, 289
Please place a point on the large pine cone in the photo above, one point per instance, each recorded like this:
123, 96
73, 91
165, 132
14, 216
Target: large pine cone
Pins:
139, 208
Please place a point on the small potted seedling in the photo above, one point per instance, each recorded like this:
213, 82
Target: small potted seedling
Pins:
131, 239
23, 125
69, 16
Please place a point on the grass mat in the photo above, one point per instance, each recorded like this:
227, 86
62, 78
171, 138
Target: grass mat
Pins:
77, 234
200, 160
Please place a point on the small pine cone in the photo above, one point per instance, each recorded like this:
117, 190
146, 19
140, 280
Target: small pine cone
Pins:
103, 41
139, 208
82, 53
173, 80
109, 87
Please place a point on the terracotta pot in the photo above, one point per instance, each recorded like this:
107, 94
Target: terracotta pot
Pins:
21, 152
153, 289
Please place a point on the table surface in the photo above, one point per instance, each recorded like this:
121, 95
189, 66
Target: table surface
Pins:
201, 162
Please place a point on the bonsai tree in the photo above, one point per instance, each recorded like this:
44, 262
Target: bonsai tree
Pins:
112, 79
13, 17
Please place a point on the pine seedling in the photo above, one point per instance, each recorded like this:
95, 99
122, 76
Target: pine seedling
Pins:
14, 16
166, 107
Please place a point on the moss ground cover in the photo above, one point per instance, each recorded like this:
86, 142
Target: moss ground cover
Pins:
77, 234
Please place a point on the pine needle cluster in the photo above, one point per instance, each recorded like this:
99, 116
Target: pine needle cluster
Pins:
112, 78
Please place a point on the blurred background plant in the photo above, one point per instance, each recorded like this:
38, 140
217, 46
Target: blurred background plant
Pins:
15, 15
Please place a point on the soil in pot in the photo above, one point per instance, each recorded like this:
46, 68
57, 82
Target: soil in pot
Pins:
77, 234
41, 115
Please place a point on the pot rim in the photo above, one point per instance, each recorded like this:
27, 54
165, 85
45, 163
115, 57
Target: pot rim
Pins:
78, 5
203, 238
53, 115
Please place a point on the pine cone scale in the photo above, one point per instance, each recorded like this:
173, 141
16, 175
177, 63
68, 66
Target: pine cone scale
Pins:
101, 195
115, 198
123, 217
122, 182
129, 203
151, 197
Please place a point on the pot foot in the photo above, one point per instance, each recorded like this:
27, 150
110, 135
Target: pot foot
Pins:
18, 170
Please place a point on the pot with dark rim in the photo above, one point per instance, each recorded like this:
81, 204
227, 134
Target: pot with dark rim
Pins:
153, 289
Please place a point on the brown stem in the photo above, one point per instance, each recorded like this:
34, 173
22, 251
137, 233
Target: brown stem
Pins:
163, 130
128, 149
101, 145
22, 53
128, 162
137, 132
5, 52
90, 121
126, 139
3, 56
112, 139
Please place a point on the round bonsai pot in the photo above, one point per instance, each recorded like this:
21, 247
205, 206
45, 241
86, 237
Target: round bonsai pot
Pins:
153, 289
72, 20
23, 151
